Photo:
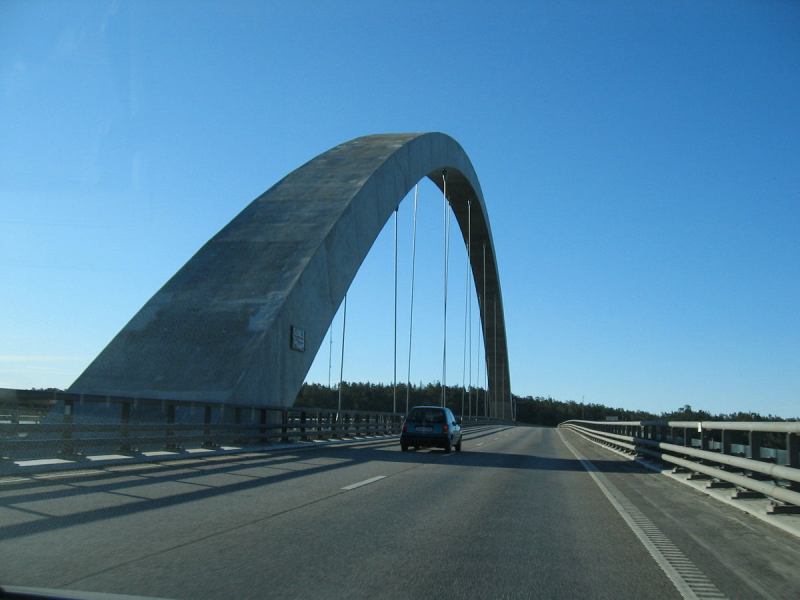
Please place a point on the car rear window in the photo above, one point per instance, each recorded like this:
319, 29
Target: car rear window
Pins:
429, 415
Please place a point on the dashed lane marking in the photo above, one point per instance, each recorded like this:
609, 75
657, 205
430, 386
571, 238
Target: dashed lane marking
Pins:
353, 486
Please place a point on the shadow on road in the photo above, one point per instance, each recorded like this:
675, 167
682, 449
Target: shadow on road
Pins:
134, 481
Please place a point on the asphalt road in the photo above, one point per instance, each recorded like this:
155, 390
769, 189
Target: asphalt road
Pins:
516, 515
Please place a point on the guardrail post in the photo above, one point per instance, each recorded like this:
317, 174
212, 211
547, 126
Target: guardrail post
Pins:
264, 438
687, 437
207, 441
725, 442
237, 421
755, 438
792, 458
704, 439
792, 448
284, 425
68, 447
303, 426
124, 419
170, 437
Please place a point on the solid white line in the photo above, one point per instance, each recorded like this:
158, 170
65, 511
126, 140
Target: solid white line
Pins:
756, 509
353, 486
680, 583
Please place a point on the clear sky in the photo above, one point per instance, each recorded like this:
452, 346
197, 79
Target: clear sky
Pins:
640, 162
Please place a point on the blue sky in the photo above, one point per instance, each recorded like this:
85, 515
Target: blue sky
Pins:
640, 162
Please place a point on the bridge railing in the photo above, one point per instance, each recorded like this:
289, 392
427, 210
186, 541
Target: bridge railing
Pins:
755, 459
38, 424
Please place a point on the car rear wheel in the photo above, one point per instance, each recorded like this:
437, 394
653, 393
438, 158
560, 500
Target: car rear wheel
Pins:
447, 446
458, 446
404, 447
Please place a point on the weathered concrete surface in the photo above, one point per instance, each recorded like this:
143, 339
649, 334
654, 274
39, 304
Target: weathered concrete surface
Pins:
219, 329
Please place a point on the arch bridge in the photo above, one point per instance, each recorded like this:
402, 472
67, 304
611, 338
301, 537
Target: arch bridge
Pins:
221, 328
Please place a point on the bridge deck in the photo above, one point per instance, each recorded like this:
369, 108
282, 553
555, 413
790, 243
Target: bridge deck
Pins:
515, 515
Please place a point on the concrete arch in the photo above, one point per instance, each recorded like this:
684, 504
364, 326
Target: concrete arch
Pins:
219, 329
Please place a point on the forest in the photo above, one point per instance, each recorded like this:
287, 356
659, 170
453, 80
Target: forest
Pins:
535, 410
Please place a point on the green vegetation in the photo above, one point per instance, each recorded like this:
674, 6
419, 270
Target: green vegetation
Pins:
535, 410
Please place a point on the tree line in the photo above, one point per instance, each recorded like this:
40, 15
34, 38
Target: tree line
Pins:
536, 410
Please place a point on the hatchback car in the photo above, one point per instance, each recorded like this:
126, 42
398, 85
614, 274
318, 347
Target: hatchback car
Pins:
431, 426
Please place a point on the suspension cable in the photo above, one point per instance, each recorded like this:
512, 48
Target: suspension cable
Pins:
330, 354
494, 356
341, 363
394, 379
485, 314
446, 223
478, 346
469, 297
411, 310
503, 387
478, 368
464, 360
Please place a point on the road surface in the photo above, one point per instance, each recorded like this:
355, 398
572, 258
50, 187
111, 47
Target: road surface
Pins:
516, 515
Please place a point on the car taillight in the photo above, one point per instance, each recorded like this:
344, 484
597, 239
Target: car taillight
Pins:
444, 428
405, 428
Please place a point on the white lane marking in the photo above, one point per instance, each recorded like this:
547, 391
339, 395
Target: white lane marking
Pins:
97, 457
61, 474
41, 462
691, 583
353, 486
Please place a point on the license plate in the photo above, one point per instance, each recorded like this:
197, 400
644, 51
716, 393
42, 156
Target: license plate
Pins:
424, 429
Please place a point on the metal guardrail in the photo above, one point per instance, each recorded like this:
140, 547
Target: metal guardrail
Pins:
768, 464
36, 424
